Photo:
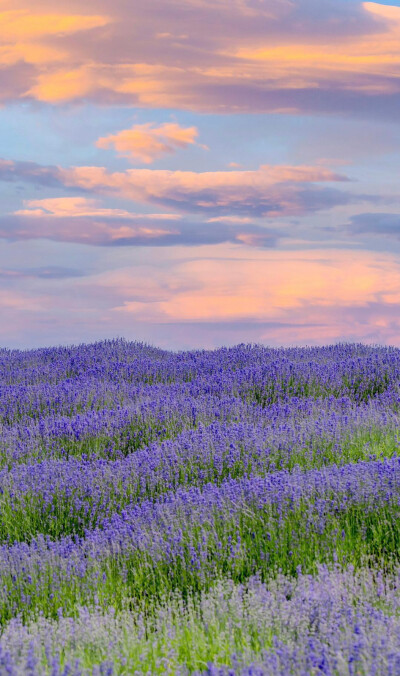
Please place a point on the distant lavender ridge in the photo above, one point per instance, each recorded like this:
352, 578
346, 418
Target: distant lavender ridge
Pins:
138, 484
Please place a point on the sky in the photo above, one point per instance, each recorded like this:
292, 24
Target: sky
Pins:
197, 173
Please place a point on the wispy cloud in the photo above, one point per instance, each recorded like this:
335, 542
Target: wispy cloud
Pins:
49, 272
29, 172
379, 224
83, 221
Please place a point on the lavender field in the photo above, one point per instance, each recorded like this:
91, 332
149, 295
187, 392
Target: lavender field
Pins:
233, 511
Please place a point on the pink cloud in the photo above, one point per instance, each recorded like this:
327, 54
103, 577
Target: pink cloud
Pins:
146, 142
229, 219
20, 301
84, 221
269, 190
83, 206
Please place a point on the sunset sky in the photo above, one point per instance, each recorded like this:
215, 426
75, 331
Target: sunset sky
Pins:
194, 173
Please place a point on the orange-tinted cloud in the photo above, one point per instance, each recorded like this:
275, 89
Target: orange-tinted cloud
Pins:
302, 63
25, 33
28, 24
147, 142
229, 56
273, 286
222, 296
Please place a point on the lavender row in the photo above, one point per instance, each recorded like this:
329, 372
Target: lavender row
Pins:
114, 432
338, 623
58, 497
187, 538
